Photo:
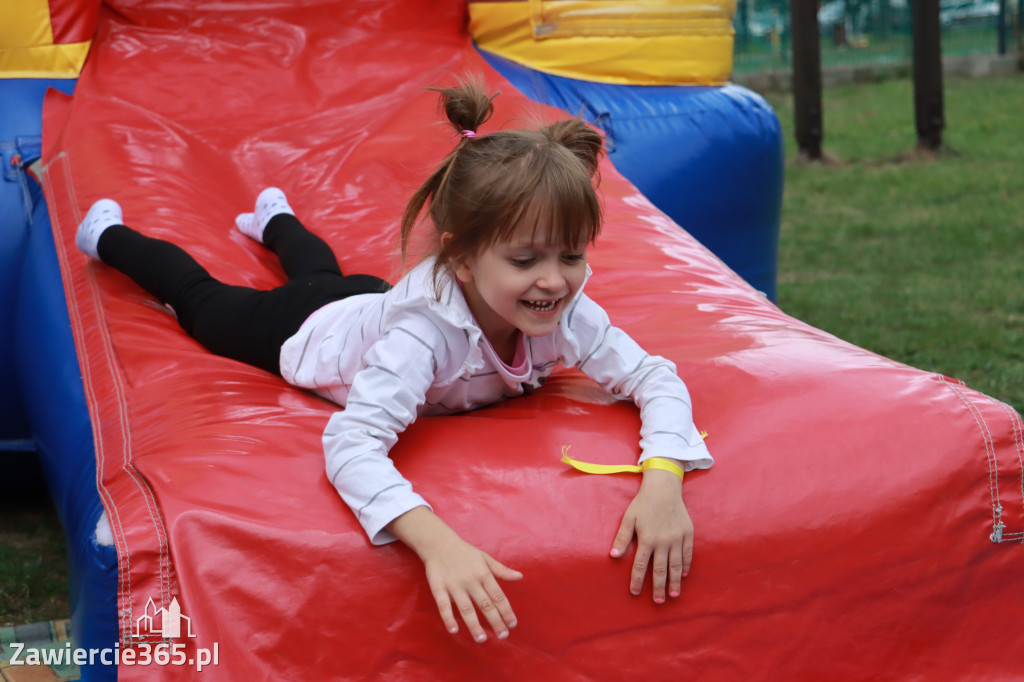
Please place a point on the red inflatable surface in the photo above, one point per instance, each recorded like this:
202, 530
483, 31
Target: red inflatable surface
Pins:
846, 531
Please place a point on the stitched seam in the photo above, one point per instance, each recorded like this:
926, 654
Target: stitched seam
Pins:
127, 466
990, 456
1018, 442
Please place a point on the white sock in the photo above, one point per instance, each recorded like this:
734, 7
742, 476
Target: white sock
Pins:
269, 203
101, 215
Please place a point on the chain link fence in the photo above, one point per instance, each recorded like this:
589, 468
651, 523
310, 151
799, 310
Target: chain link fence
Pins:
865, 32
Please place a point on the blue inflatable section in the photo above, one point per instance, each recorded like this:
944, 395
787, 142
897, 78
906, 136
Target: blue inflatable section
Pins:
20, 136
711, 158
49, 376
41, 379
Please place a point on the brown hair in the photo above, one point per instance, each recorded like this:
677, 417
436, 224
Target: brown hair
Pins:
489, 184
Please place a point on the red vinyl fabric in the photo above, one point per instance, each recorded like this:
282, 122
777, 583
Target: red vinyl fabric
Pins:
73, 21
845, 532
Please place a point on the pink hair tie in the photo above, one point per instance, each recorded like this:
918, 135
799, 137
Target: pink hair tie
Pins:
469, 133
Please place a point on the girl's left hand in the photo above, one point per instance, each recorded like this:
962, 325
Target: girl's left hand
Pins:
664, 532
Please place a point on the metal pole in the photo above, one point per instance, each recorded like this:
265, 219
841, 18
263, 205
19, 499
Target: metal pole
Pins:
1001, 27
807, 111
929, 116
743, 21
1020, 33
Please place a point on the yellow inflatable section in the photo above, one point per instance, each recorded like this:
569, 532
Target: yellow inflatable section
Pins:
637, 42
45, 38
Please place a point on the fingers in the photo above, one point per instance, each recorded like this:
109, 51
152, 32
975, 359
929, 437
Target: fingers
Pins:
677, 568
464, 608
478, 598
501, 618
444, 607
660, 574
636, 576
664, 537
687, 557
623, 536
669, 567
667, 559
491, 603
501, 571
464, 603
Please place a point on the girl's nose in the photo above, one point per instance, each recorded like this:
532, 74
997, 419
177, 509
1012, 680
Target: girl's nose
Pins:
551, 278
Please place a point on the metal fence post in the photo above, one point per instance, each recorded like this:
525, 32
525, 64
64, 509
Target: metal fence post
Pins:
1001, 27
807, 113
929, 116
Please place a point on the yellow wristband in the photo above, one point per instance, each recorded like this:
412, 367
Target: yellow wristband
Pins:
663, 464
650, 463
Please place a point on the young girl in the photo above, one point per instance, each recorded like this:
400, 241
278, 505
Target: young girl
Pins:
487, 317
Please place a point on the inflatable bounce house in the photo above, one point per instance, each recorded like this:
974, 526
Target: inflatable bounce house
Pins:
863, 519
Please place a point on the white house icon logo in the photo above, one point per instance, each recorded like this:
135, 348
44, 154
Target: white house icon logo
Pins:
163, 622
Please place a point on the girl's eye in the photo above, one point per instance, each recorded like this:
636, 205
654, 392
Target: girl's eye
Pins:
573, 258
521, 262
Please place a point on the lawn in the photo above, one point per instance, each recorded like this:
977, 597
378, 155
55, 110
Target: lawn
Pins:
916, 257
33, 554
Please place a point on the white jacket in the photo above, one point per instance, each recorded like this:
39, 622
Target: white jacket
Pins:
388, 358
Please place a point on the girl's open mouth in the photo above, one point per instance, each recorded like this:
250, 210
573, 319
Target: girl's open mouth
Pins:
542, 306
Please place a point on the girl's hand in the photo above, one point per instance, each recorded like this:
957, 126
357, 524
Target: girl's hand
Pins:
664, 532
458, 573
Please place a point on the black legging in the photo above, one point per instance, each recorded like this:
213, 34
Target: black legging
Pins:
237, 322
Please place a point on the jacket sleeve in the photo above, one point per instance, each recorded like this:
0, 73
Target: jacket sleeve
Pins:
382, 402
613, 359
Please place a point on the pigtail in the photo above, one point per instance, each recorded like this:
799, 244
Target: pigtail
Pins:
418, 200
580, 139
466, 106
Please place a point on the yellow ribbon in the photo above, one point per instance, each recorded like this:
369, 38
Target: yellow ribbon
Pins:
650, 463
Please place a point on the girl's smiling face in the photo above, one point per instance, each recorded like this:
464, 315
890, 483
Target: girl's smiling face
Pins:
523, 285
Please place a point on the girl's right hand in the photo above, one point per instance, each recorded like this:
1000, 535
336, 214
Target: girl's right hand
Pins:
458, 573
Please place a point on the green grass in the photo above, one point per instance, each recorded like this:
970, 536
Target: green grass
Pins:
33, 554
915, 257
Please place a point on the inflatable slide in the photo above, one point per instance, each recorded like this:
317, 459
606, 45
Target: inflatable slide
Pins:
863, 519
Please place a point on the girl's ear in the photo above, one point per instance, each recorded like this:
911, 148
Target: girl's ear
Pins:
458, 265
462, 270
